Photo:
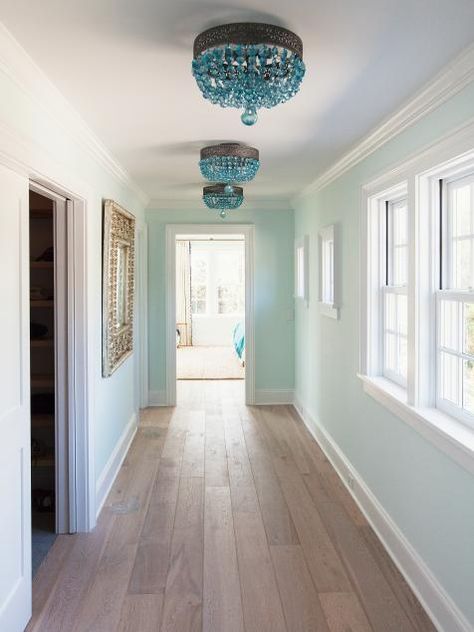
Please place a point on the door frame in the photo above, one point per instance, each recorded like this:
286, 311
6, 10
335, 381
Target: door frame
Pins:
248, 233
80, 490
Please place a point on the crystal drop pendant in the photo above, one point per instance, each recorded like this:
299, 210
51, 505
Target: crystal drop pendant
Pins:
249, 117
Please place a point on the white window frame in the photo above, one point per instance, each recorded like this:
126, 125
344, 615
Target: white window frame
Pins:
417, 404
302, 269
327, 272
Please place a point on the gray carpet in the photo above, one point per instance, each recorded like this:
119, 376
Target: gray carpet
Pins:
43, 537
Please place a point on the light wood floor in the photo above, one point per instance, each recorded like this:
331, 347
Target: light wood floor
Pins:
224, 518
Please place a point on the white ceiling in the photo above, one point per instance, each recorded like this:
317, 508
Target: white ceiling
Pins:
125, 66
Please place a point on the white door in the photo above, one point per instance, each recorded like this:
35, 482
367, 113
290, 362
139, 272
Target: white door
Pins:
15, 495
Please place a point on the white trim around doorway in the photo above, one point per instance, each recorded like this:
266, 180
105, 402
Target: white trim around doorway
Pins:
172, 231
78, 470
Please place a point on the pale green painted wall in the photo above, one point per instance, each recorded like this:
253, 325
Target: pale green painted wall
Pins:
428, 495
274, 332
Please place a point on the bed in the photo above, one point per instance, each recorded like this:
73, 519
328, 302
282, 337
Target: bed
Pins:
238, 340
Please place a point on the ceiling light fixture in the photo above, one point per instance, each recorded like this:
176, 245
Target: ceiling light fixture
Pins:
229, 163
215, 197
248, 65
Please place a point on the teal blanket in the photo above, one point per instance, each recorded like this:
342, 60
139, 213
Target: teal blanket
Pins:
239, 338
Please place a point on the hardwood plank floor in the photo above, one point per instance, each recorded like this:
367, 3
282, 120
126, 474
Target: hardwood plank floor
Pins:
224, 518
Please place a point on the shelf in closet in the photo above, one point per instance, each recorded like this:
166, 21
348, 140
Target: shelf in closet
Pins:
42, 461
48, 303
42, 381
42, 265
41, 213
42, 343
42, 421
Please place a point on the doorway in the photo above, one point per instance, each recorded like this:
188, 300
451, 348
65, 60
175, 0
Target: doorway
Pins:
51, 364
210, 307
210, 332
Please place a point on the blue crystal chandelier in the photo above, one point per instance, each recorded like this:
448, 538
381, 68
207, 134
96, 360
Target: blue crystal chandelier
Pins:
218, 197
229, 163
248, 65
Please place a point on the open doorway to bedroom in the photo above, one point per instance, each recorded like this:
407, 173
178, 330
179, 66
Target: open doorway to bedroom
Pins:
210, 307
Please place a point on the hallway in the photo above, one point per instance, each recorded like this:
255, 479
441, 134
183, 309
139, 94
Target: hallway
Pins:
224, 518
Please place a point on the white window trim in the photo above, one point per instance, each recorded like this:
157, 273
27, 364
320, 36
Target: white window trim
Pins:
302, 242
326, 308
416, 404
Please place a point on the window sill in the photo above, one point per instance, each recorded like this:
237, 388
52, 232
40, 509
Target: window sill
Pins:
329, 310
445, 432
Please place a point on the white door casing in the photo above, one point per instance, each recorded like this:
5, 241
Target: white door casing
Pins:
15, 466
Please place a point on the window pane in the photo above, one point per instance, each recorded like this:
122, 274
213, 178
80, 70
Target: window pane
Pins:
390, 311
402, 309
391, 352
450, 325
397, 254
400, 265
327, 262
459, 260
461, 211
403, 356
469, 328
300, 272
450, 377
468, 386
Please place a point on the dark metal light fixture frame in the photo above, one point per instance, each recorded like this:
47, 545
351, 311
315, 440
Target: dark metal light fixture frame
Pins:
248, 33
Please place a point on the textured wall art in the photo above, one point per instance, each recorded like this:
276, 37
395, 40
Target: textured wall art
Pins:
118, 277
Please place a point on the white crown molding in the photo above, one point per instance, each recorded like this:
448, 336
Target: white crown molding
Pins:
22, 69
197, 205
448, 82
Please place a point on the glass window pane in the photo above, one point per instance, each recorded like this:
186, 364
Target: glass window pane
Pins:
402, 309
450, 324
450, 377
461, 212
468, 386
390, 311
390, 355
462, 262
400, 265
403, 357
400, 222
469, 328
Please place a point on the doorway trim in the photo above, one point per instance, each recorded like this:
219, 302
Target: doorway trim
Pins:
248, 233
80, 477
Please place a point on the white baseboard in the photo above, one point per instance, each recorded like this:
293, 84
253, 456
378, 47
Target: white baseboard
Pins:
110, 471
442, 610
273, 396
157, 398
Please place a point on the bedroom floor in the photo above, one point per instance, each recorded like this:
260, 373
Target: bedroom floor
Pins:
208, 363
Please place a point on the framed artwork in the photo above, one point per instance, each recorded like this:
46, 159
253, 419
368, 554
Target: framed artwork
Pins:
118, 275
327, 272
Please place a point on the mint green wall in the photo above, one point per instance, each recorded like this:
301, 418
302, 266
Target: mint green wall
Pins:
274, 330
428, 496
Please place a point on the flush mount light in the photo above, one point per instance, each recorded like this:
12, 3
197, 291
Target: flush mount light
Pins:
248, 65
216, 197
229, 163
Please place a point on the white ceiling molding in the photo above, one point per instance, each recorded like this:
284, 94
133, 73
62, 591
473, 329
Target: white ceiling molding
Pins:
193, 205
21, 68
451, 80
